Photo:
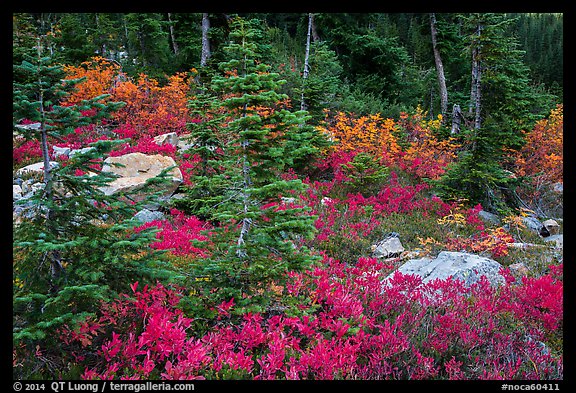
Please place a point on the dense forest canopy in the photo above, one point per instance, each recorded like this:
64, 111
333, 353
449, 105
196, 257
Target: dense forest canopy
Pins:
393, 49
288, 196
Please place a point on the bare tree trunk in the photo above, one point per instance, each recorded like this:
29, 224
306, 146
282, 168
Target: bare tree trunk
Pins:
476, 86
315, 36
126, 33
171, 27
205, 40
456, 119
303, 105
478, 104
439, 67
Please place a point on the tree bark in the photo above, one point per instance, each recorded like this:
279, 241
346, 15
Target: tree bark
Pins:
439, 67
456, 119
315, 36
303, 105
476, 85
205, 40
56, 267
246, 165
140, 35
171, 27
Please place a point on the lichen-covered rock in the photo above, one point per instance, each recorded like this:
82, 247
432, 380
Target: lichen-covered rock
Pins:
136, 170
458, 265
388, 248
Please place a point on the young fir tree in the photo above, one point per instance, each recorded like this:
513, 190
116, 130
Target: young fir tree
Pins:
75, 245
208, 146
255, 241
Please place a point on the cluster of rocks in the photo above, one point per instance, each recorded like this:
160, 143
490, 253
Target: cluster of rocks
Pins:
132, 171
461, 265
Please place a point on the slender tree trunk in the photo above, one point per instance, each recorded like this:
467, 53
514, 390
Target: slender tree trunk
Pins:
478, 103
171, 27
205, 40
456, 119
473, 86
476, 85
126, 35
303, 105
142, 47
43, 133
315, 36
56, 267
247, 180
439, 67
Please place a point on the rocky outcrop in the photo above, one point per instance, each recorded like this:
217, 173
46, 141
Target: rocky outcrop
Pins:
458, 265
556, 240
136, 170
489, 218
34, 169
146, 215
532, 223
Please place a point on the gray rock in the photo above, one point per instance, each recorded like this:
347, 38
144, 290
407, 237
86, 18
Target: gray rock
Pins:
146, 215
37, 168
519, 270
185, 142
136, 170
61, 151
31, 126
458, 265
171, 138
558, 239
558, 187
388, 248
16, 192
489, 218
288, 200
532, 223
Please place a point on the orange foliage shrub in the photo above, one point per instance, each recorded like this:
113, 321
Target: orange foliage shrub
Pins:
426, 155
154, 109
542, 155
100, 75
410, 143
150, 109
371, 134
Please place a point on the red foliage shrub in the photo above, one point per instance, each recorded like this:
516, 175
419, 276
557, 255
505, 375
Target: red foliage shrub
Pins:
355, 327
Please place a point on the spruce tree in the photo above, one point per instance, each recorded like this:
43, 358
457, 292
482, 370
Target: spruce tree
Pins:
503, 104
75, 245
256, 236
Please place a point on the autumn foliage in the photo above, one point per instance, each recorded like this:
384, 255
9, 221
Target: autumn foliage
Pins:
362, 330
339, 320
542, 157
426, 155
152, 109
101, 75
409, 143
